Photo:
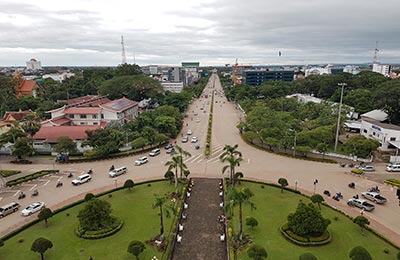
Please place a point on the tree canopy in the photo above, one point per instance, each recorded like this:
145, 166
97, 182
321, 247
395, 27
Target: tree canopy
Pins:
96, 215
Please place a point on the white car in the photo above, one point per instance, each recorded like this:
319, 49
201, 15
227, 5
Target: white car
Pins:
367, 168
82, 179
189, 132
374, 196
117, 171
155, 152
185, 139
141, 160
194, 139
360, 203
33, 208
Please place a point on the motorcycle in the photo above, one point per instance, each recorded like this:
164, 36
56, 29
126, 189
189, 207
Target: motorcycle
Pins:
337, 196
21, 195
90, 171
112, 168
327, 193
70, 175
35, 193
352, 185
374, 189
59, 184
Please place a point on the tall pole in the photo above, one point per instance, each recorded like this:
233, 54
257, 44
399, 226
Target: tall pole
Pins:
123, 50
340, 111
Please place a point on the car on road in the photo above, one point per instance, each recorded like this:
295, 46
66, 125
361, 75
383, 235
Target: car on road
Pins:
393, 168
168, 145
33, 208
154, 152
185, 139
141, 160
8, 209
82, 179
189, 132
170, 150
194, 139
118, 171
360, 203
374, 196
367, 168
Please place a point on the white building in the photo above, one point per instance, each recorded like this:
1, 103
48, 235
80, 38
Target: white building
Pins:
60, 77
318, 71
383, 69
33, 65
175, 87
351, 69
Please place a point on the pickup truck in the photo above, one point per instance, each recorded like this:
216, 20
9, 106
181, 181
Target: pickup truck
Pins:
360, 203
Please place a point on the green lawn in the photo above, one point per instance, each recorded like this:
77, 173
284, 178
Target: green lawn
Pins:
141, 222
271, 213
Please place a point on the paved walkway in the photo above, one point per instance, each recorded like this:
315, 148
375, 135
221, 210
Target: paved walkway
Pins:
202, 230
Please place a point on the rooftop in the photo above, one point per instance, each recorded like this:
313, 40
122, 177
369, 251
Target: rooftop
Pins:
119, 105
50, 134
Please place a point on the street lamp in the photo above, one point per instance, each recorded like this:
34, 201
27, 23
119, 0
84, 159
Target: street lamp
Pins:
315, 185
295, 185
340, 111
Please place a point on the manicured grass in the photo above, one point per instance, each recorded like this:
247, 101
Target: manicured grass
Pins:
141, 222
271, 213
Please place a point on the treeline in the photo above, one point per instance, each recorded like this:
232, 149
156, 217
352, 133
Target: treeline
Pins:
365, 91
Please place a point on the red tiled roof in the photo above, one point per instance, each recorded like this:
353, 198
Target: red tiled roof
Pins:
50, 134
80, 99
120, 105
82, 110
26, 87
88, 101
17, 115
61, 121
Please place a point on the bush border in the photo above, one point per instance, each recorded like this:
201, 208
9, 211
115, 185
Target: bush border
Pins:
30, 177
81, 233
283, 229
8, 173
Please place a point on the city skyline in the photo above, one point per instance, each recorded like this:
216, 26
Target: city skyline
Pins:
213, 32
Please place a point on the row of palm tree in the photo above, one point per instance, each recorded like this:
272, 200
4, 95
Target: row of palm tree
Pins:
233, 157
176, 164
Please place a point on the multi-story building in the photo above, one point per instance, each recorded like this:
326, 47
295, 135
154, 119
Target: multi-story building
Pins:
258, 77
383, 69
351, 69
33, 65
190, 73
175, 87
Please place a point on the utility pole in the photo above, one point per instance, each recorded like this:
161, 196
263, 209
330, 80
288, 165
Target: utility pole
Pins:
340, 111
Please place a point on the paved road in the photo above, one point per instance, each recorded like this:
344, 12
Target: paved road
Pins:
256, 165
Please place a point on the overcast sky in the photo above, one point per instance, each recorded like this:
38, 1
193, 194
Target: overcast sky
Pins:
213, 32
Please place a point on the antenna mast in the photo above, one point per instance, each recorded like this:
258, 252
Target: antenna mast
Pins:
376, 53
123, 50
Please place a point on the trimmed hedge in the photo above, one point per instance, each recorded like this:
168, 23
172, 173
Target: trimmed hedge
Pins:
30, 177
357, 171
86, 234
207, 151
394, 182
6, 173
303, 241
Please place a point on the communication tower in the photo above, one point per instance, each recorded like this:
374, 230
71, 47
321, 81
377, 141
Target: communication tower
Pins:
123, 50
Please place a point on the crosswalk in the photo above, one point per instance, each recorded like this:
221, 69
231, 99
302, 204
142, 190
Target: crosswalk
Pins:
216, 151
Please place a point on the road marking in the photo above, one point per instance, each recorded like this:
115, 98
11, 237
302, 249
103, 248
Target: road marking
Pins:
248, 161
1, 198
47, 182
17, 193
34, 186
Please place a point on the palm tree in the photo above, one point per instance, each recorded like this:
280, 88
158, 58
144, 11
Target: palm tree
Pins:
233, 157
238, 176
182, 153
174, 164
240, 197
160, 204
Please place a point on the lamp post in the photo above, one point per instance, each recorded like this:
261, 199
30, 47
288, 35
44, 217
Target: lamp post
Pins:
340, 111
295, 185
315, 185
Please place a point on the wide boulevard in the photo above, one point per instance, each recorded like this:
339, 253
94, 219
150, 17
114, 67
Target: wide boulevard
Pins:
257, 164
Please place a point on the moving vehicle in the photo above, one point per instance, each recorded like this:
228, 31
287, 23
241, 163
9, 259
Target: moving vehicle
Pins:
374, 196
82, 179
185, 139
118, 171
367, 168
189, 132
33, 208
155, 152
8, 209
360, 203
393, 168
194, 139
170, 150
141, 160
168, 145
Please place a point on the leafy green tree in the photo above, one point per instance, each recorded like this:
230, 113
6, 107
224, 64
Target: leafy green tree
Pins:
317, 198
387, 97
283, 182
233, 157
257, 252
398, 256
128, 69
167, 125
89, 196
105, 141
360, 99
359, 253
45, 214
360, 146
251, 222
1, 243
30, 124
139, 142
181, 154
129, 184
136, 248
160, 138
239, 198
239, 244
22, 148
251, 136
65, 145
322, 148
308, 256
170, 176
238, 176
40, 245
361, 221
307, 221
160, 203
174, 164
96, 215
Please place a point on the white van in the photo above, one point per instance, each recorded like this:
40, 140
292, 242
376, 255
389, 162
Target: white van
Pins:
393, 168
82, 179
8, 209
117, 171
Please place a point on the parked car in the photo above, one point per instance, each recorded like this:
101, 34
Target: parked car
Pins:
154, 152
374, 196
82, 179
393, 168
170, 150
194, 139
33, 208
8, 209
141, 160
189, 132
360, 203
118, 171
185, 139
367, 168
168, 145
